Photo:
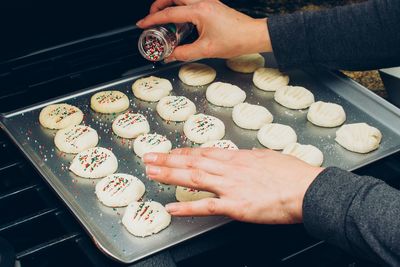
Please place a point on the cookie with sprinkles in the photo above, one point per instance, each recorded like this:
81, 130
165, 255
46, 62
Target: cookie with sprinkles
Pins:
154, 142
60, 116
197, 74
119, 189
145, 218
175, 108
96, 162
185, 194
225, 144
130, 125
76, 138
151, 88
201, 128
109, 102
224, 94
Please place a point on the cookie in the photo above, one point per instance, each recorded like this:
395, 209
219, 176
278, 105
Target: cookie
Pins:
108, 102
201, 128
59, 116
196, 74
76, 138
130, 125
224, 94
151, 89
175, 108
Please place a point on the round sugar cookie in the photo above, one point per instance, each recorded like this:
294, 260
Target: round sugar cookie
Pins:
306, 153
196, 74
359, 137
224, 94
184, 194
252, 117
268, 79
145, 218
151, 88
96, 162
130, 125
119, 189
59, 116
201, 128
175, 108
109, 102
154, 142
76, 138
294, 97
246, 63
225, 144
326, 114
276, 136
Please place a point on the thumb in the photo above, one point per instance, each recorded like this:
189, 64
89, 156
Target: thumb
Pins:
186, 52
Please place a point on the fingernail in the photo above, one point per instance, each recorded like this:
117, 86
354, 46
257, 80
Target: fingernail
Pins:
149, 157
139, 22
152, 170
171, 207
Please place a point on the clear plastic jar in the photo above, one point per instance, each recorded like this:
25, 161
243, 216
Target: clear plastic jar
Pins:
157, 43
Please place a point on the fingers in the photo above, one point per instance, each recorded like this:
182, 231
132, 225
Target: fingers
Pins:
192, 178
212, 153
203, 207
176, 14
211, 166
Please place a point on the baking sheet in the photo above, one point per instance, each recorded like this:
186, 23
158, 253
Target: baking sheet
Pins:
104, 224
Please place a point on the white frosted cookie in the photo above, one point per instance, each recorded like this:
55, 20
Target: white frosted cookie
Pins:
246, 63
175, 108
251, 117
276, 136
268, 79
225, 144
196, 74
306, 153
358, 137
294, 97
145, 218
201, 128
109, 102
151, 88
119, 189
184, 194
130, 125
146, 143
96, 162
224, 94
76, 138
59, 116
326, 114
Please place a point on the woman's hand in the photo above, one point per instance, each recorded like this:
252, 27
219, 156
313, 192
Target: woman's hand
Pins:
261, 186
223, 31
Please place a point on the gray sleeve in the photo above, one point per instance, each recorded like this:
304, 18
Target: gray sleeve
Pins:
360, 214
354, 37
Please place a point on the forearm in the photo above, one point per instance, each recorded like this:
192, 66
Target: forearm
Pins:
358, 213
362, 36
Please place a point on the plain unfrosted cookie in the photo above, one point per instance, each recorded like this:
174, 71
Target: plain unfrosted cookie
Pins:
306, 153
145, 218
119, 189
130, 125
326, 114
154, 142
76, 138
151, 88
358, 137
59, 116
246, 63
175, 108
276, 136
294, 97
96, 162
197, 74
109, 102
201, 128
225, 144
184, 194
268, 79
251, 117
225, 94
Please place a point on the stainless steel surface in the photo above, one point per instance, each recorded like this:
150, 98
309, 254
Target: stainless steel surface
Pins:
104, 224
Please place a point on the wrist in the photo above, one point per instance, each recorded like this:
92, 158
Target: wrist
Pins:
261, 36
